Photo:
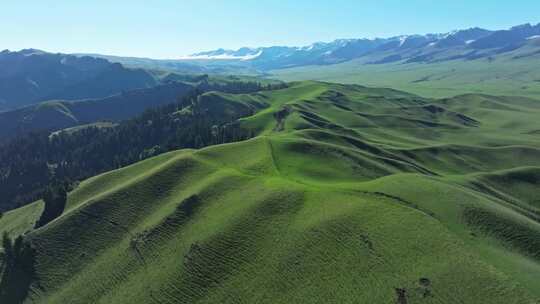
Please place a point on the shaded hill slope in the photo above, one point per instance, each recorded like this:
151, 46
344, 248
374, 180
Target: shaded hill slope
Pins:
348, 195
31, 76
56, 115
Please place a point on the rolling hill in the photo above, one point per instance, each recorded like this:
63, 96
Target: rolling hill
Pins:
347, 194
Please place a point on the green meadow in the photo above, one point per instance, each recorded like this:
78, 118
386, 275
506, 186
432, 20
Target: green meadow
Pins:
347, 194
514, 74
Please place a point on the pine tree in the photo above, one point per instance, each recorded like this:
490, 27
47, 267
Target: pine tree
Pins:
8, 249
55, 199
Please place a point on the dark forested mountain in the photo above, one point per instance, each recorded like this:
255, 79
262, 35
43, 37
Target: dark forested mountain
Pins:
59, 114
55, 115
30, 76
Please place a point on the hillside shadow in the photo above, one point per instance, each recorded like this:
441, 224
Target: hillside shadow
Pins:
18, 272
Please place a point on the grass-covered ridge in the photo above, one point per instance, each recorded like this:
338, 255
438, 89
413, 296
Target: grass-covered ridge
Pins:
348, 195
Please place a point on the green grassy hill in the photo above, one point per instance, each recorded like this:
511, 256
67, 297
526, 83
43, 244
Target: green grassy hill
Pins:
348, 195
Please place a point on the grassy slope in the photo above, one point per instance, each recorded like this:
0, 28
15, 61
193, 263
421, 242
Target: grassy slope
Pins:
503, 76
347, 194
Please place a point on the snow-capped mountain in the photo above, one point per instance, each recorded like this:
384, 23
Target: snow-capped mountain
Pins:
222, 54
460, 44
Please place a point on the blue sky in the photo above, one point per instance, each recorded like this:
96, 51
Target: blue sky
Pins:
170, 29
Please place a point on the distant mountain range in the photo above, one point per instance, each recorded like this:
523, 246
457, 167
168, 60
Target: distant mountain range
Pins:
31, 76
468, 44
462, 44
